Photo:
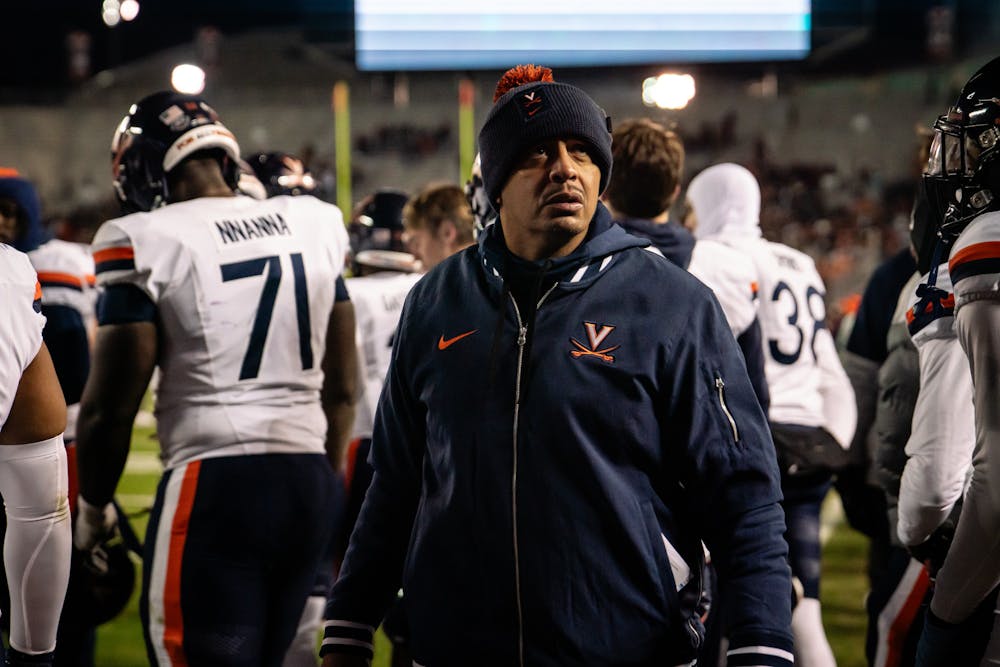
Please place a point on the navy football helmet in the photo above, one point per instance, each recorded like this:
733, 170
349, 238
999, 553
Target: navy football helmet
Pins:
282, 174
378, 222
961, 178
158, 133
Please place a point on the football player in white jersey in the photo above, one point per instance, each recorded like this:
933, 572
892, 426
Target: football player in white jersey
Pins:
962, 183
66, 275
812, 411
233, 299
33, 479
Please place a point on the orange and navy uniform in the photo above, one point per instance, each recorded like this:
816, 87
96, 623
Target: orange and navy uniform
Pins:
240, 292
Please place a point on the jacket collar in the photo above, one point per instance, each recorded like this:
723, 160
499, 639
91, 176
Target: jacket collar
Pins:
604, 239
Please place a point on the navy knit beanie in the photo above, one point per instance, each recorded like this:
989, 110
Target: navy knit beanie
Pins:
534, 112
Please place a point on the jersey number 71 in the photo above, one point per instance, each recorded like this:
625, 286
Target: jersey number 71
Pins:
262, 320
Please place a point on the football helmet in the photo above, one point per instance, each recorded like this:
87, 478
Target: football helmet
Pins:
282, 174
101, 596
377, 224
483, 214
158, 133
961, 178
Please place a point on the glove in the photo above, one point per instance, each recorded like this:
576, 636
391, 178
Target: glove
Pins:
95, 527
933, 550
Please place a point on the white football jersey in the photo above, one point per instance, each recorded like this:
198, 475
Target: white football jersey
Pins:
732, 277
243, 291
940, 447
66, 274
807, 382
378, 302
21, 323
974, 262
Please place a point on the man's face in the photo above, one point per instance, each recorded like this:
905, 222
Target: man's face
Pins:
428, 245
9, 222
549, 199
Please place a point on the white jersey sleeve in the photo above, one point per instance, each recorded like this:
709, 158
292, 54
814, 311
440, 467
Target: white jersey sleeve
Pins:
974, 262
943, 432
378, 302
66, 274
243, 291
732, 278
21, 323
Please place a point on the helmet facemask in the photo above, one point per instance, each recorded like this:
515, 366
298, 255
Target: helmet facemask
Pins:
956, 177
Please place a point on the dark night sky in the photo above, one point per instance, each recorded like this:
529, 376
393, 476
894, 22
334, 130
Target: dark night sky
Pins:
34, 45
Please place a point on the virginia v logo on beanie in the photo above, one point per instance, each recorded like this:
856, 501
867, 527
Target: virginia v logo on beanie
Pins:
529, 106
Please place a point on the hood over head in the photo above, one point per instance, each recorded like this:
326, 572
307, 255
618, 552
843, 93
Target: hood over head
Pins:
726, 200
22, 192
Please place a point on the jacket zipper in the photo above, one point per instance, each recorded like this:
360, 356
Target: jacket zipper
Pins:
721, 386
522, 338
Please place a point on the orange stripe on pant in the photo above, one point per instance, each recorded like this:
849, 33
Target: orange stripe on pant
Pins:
901, 625
173, 621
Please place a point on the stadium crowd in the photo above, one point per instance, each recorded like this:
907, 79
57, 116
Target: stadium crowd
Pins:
583, 409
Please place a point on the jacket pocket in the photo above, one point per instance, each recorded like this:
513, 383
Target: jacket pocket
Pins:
719, 401
671, 570
681, 584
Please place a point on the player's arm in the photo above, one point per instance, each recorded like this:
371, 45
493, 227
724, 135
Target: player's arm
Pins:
33, 481
123, 363
38, 411
941, 441
340, 382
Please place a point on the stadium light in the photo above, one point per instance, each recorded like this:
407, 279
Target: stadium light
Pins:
129, 10
111, 13
189, 79
668, 91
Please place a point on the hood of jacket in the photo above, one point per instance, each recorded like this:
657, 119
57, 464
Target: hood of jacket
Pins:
726, 200
22, 192
675, 242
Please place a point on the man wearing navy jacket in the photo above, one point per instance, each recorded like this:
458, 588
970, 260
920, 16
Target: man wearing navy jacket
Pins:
555, 439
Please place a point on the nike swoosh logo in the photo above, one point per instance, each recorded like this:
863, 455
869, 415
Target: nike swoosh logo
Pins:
445, 344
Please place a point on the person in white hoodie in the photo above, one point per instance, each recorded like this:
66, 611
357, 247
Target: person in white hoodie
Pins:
812, 412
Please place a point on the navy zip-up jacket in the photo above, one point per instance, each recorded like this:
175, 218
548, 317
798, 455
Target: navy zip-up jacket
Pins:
541, 492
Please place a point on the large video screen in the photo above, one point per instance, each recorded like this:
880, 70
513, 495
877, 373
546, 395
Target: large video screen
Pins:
487, 34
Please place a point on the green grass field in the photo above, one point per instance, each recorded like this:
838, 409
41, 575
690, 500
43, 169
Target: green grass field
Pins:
119, 643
